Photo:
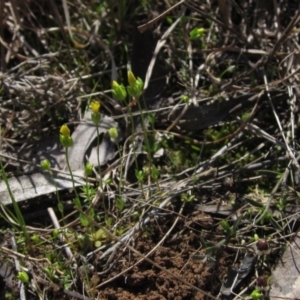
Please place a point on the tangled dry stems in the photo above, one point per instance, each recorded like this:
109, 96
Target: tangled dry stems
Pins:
263, 51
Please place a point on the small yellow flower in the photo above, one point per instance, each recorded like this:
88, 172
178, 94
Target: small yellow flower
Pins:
65, 137
65, 131
95, 106
131, 78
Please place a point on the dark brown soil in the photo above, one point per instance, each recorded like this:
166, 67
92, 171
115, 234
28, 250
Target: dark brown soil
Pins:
178, 255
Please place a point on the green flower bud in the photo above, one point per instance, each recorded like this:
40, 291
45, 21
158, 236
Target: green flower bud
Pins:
119, 91
256, 295
55, 233
66, 141
113, 133
197, 33
131, 78
35, 238
135, 88
139, 174
96, 118
88, 169
45, 164
23, 277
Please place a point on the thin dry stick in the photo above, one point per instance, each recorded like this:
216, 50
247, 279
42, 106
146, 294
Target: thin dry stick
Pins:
285, 34
232, 137
18, 268
267, 205
291, 155
238, 296
182, 113
158, 47
146, 26
16, 224
56, 287
61, 237
10, 252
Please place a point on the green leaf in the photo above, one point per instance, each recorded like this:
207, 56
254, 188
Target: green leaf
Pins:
84, 220
120, 203
197, 33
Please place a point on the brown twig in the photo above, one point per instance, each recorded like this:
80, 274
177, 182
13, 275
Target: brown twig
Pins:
144, 27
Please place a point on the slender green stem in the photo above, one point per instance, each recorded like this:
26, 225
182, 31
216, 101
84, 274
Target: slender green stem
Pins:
19, 217
132, 137
60, 205
72, 177
98, 158
145, 133
121, 171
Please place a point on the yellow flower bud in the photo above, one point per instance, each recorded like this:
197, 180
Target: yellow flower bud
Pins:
136, 89
131, 78
65, 137
65, 131
115, 85
96, 116
95, 106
